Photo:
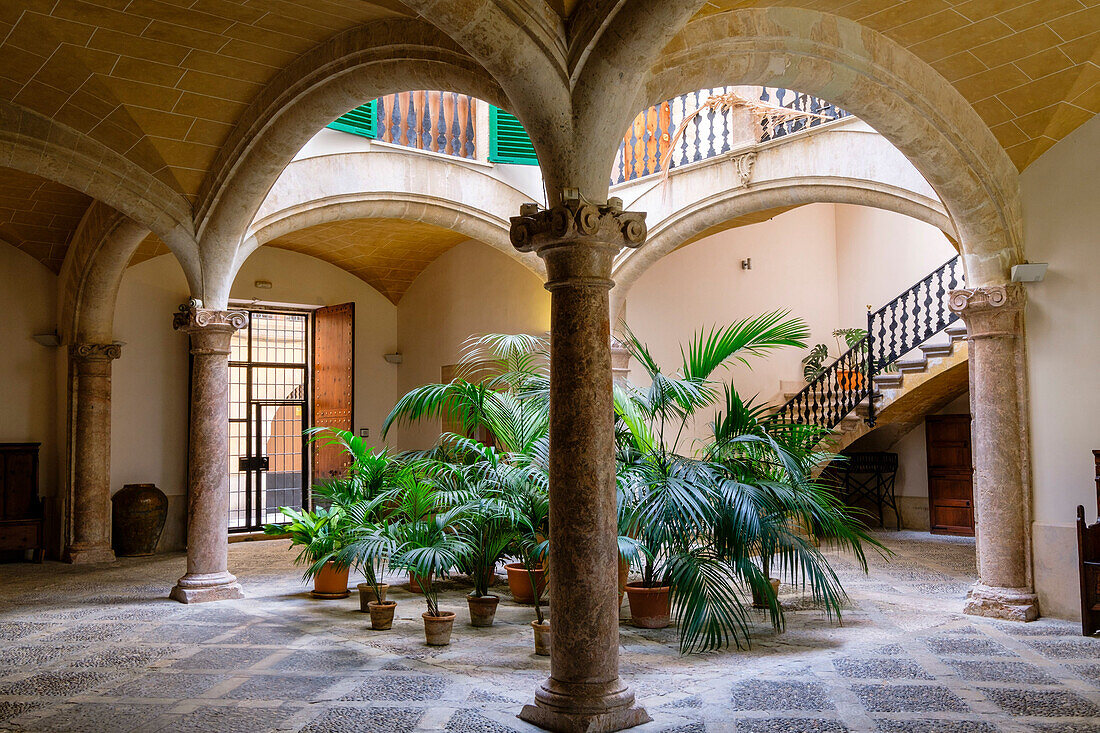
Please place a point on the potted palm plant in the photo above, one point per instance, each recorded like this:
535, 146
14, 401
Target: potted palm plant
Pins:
422, 536
707, 520
321, 535
366, 496
532, 517
478, 480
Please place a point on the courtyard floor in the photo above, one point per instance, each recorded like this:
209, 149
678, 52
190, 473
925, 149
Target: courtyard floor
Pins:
103, 650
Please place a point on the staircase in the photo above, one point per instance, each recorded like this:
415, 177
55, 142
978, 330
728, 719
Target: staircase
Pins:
910, 340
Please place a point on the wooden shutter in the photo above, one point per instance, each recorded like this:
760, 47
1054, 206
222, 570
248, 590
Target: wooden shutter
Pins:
360, 121
333, 382
508, 141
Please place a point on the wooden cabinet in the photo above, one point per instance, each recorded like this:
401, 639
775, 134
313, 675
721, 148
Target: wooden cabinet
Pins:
21, 517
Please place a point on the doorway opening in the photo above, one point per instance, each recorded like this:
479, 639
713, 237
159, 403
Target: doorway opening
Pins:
269, 381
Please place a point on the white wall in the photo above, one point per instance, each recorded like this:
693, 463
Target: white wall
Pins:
471, 289
1061, 219
824, 263
29, 394
879, 254
149, 416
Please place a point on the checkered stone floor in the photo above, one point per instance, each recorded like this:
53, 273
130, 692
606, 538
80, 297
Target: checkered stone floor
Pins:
102, 649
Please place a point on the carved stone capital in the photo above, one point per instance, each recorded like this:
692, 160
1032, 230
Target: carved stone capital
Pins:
211, 331
95, 352
578, 240
191, 318
989, 312
536, 229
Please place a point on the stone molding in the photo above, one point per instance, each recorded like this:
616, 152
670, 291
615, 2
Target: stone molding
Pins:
1009, 604
990, 312
744, 164
95, 352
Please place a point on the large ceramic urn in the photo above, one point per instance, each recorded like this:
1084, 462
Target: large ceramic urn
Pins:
139, 512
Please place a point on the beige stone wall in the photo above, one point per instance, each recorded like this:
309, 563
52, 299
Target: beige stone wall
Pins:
149, 417
29, 393
1063, 344
469, 289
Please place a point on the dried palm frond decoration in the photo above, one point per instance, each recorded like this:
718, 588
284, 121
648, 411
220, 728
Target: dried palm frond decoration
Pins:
769, 116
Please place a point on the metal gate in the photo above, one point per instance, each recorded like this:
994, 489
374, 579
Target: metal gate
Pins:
268, 410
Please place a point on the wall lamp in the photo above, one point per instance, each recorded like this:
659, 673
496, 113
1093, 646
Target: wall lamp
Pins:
1029, 272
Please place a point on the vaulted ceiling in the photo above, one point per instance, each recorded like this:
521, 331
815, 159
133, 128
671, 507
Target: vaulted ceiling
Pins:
387, 254
163, 83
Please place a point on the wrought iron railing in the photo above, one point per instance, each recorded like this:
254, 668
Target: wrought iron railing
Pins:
893, 330
653, 134
441, 122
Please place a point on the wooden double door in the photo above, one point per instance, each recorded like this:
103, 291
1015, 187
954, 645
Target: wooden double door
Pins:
950, 475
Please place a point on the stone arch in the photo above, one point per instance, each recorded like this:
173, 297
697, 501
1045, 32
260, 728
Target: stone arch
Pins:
35, 144
873, 77
390, 185
352, 67
95, 263
813, 167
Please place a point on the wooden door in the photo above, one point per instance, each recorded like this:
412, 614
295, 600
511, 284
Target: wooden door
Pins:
333, 382
950, 475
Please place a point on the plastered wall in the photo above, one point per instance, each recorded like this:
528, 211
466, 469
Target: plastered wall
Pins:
1060, 196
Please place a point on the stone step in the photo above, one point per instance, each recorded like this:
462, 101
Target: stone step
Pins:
934, 349
957, 330
888, 380
912, 365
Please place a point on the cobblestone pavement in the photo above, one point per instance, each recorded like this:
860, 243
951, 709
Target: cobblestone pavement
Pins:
103, 650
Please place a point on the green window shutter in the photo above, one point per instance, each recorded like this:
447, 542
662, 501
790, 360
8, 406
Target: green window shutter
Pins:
508, 141
360, 121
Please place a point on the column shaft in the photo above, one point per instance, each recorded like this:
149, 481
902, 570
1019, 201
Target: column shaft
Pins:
208, 577
90, 505
994, 321
584, 692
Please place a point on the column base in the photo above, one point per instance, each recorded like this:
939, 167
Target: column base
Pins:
78, 555
1010, 604
204, 587
578, 708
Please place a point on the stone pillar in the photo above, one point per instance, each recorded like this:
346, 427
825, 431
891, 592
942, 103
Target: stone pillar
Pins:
1002, 501
578, 242
90, 499
208, 577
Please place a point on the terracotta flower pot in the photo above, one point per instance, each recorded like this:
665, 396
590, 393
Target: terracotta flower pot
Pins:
758, 600
414, 582
542, 638
624, 575
437, 629
331, 582
483, 609
850, 379
366, 594
650, 608
381, 614
520, 584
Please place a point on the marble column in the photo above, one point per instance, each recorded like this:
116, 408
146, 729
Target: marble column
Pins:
208, 577
578, 242
1002, 501
89, 536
